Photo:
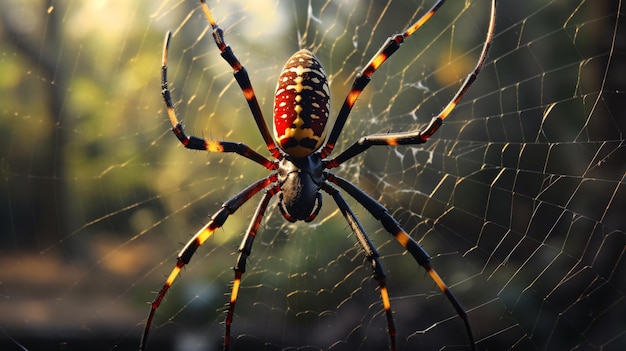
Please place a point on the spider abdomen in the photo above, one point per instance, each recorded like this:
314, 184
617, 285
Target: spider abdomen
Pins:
301, 105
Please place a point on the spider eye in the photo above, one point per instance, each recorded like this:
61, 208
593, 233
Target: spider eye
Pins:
301, 105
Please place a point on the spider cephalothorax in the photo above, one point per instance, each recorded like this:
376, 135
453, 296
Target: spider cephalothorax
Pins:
300, 180
299, 172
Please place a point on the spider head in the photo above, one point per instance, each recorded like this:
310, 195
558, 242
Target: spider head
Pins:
301, 105
300, 180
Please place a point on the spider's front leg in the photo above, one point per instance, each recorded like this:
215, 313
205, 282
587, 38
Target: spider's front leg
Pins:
218, 219
244, 251
372, 256
378, 211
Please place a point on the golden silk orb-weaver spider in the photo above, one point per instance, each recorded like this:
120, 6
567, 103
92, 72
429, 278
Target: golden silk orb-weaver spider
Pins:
300, 169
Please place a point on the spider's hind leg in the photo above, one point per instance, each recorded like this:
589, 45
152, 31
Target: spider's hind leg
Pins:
241, 75
196, 143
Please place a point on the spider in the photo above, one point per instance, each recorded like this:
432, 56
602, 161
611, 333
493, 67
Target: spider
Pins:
300, 171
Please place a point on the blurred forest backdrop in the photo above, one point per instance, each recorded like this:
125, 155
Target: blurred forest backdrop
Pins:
96, 195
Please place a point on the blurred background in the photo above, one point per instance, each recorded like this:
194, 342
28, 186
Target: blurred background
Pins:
519, 197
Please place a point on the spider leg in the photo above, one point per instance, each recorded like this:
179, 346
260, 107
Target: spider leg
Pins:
193, 142
363, 77
420, 136
241, 75
371, 254
419, 254
244, 251
199, 238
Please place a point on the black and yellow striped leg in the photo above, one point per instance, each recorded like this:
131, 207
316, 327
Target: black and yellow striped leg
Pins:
241, 75
363, 77
419, 254
420, 136
244, 252
390, 139
372, 256
218, 219
193, 142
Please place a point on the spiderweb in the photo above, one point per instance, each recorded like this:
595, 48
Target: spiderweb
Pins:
518, 198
